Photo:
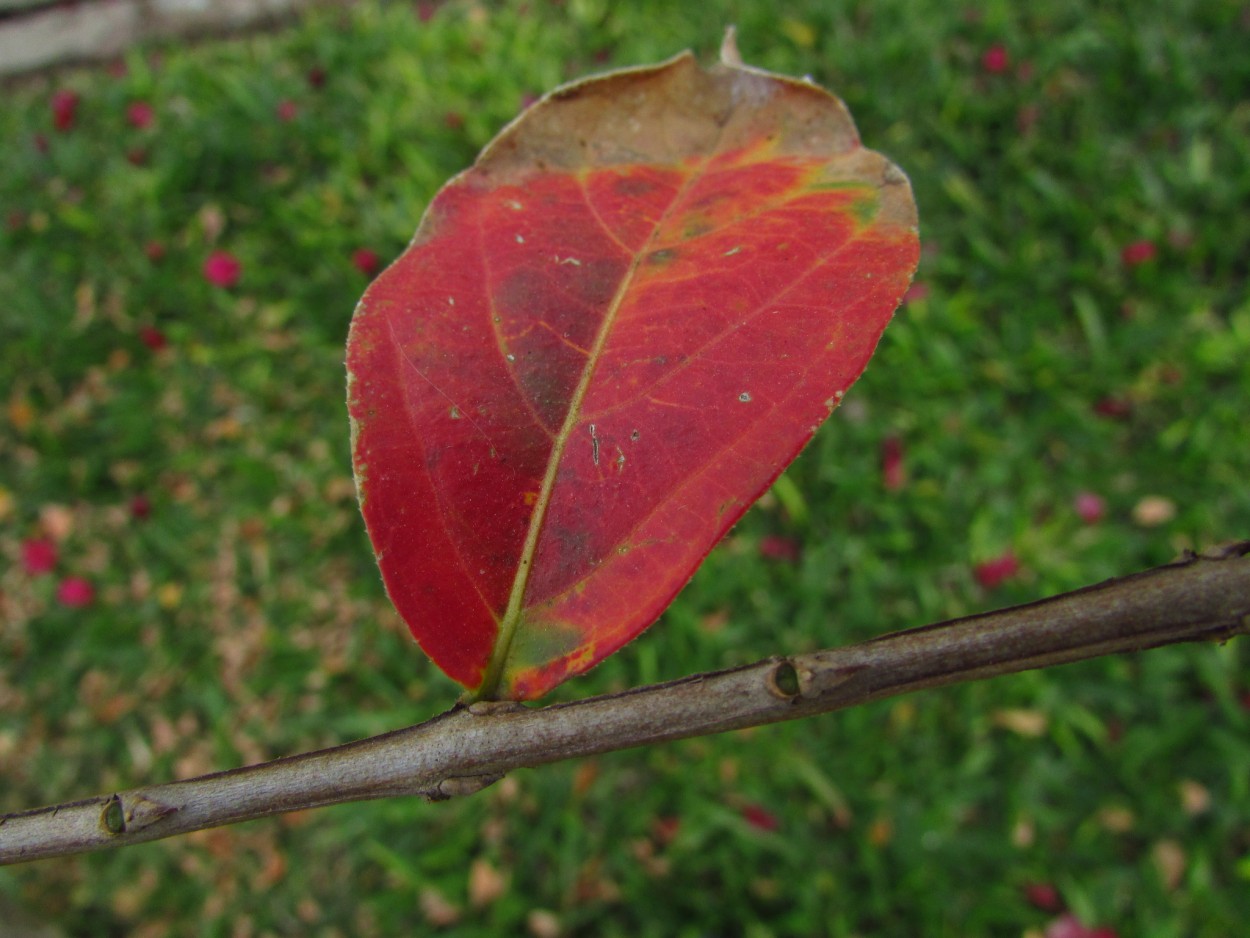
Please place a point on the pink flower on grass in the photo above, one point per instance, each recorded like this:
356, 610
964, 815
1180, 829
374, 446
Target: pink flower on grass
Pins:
775, 547
995, 572
1114, 408
919, 290
153, 338
38, 556
155, 251
1069, 926
75, 592
1090, 507
760, 817
287, 110
140, 115
64, 108
140, 507
1043, 896
222, 269
893, 472
995, 59
1138, 253
366, 261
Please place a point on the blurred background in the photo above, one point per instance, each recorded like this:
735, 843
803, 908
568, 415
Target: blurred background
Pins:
185, 582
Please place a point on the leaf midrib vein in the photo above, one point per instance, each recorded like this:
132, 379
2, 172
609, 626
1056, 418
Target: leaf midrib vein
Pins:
516, 598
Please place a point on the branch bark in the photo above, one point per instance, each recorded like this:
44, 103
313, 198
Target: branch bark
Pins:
1200, 598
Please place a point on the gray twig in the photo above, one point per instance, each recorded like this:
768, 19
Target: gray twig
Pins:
1200, 598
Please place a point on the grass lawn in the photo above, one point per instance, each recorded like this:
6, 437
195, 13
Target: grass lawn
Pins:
185, 582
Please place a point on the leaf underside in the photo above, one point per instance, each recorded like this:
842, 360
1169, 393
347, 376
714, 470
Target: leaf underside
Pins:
606, 340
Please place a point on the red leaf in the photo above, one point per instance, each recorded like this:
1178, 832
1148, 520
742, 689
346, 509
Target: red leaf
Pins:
605, 341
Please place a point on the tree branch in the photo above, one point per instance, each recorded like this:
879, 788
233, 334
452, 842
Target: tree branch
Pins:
1200, 598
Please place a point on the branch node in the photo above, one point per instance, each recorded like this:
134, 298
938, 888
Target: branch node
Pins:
133, 815
783, 681
113, 817
457, 786
484, 708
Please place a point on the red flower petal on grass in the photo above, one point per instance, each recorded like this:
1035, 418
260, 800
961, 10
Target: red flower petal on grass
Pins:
919, 290
154, 250
38, 556
893, 473
1069, 926
993, 573
996, 59
287, 110
222, 269
665, 829
760, 817
140, 507
75, 592
316, 77
1043, 896
1090, 507
366, 261
1137, 253
64, 108
1114, 408
153, 338
774, 547
140, 114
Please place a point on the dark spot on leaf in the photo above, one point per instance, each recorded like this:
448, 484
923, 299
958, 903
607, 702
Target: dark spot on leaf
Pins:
662, 256
633, 186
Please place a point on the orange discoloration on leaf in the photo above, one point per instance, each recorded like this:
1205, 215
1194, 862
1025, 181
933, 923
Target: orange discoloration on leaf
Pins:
606, 340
